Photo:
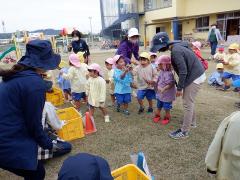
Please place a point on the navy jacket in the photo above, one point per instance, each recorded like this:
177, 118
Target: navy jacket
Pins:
84, 166
22, 100
186, 64
81, 46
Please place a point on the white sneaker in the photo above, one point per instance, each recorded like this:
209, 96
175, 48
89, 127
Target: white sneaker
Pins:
134, 94
106, 118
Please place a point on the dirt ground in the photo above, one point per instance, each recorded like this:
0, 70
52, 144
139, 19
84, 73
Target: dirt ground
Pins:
167, 159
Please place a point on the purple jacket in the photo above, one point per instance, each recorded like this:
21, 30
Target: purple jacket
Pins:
126, 49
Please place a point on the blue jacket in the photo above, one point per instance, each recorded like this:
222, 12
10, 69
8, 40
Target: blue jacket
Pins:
216, 77
85, 166
22, 99
63, 83
122, 86
126, 49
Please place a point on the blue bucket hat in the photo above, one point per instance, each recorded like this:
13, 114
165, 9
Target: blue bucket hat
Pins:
39, 54
159, 41
84, 166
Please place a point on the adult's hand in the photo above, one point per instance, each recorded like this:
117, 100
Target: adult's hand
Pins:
179, 93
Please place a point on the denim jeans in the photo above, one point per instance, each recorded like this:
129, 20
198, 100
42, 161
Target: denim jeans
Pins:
213, 47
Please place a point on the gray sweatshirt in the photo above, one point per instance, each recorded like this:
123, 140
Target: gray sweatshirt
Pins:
186, 64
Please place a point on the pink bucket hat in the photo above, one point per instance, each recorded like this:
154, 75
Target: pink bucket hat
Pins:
197, 44
152, 54
116, 58
110, 61
95, 67
73, 58
163, 59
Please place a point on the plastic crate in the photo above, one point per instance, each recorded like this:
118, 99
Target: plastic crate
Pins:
129, 172
73, 129
56, 97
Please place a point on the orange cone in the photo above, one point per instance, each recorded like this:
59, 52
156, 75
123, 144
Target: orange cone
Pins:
89, 126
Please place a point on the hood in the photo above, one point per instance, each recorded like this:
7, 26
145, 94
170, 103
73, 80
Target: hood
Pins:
21, 74
180, 43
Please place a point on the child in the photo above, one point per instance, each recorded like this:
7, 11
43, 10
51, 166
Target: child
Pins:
153, 57
196, 47
122, 80
231, 65
146, 79
96, 91
216, 78
109, 62
77, 74
81, 57
220, 55
63, 83
166, 90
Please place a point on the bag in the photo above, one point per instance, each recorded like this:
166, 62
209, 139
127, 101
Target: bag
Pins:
203, 61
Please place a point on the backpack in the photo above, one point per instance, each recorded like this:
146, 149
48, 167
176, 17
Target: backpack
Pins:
203, 61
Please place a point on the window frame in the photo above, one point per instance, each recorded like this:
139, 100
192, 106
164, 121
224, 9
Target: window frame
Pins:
203, 27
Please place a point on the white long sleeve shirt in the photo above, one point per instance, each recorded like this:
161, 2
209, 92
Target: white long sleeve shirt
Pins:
77, 78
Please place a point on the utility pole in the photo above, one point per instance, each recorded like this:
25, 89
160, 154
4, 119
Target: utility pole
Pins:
3, 26
90, 19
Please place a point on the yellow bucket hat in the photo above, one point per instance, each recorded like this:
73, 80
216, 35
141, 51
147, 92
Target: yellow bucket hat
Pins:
219, 66
145, 55
81, 57
234, 46
62, 64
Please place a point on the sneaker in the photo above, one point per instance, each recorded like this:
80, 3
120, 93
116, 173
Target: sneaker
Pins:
150, 110
156, 119
126, 112
141, 110
165, 121
178, 134
106, 118
118, 108
193, 126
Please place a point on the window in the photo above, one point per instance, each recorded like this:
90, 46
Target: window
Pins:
156, 4
202, 24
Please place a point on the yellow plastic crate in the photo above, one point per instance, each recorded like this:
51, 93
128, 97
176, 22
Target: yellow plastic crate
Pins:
56, 97
73, 129
129, 172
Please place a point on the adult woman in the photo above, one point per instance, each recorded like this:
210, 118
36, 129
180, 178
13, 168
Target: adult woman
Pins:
129, 46
79, 45
214, 36
22, 98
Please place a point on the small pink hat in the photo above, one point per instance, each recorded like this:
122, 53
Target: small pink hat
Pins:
73, 58
163, 59
116, 58
197, 44
95, 67
110, 61
152, 54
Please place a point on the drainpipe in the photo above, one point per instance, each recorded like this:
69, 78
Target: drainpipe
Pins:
175, 28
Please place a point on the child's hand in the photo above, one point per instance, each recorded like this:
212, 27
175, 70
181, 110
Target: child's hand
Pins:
179, 93
161, 90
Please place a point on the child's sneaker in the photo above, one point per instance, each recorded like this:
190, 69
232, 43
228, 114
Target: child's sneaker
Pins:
141, 110
150, 110
156, 119
178, 134
118, 108
165, 121
126, 112
106, 118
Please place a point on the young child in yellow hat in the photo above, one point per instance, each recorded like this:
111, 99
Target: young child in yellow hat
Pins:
146, 76
215, 79
231, 64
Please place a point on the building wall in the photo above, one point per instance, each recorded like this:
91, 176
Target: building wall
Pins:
197, 7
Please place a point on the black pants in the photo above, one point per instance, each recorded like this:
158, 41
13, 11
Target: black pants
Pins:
38, 174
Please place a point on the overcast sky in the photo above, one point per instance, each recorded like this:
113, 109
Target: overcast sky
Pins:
56, 14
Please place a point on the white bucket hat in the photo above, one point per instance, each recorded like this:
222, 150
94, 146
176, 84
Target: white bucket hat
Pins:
133, 32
